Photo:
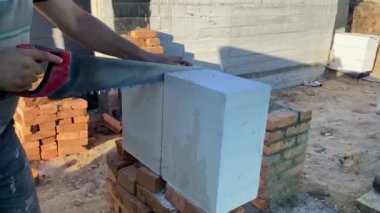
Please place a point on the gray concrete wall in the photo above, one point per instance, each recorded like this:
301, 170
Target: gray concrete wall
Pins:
254, 38
281, 42
342, 15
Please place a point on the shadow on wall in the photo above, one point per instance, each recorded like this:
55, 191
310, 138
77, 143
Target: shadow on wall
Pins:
290, 67
275, 70
342, 16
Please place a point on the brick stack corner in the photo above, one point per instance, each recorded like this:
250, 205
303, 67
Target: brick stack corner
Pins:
284, 152
48, 129
147, 39
132, 187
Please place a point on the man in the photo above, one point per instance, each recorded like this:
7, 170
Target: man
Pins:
19, 69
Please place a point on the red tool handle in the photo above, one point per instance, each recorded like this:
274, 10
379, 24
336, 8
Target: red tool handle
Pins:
55, 76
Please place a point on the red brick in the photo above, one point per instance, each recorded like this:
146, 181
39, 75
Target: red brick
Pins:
115, 162
152, 42
176, 199
71, 113
68, 150
28, 111
111, 176
297, 129
270, 149
30, 120
123, 153
111, 123
129, 201
128, 157
49, 154
50, 108
150, 180
65, 121
271, 137
73, 142
34, 144
119, 146
143, 33
126, 177
238, 210
26, 130
157, 50
72, 135
29, 102
47, 126
278, 168
37, 136
295, 170
50, 146
81, 119
49, 140
35, 175
280, 119
293, 152
72, 127
138, 41
180, 202
305, 113
261, 204
33, 154
156, 201
74, 104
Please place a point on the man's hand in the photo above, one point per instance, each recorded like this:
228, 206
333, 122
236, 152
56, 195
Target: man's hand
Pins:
20, 68
93, 34
163, 59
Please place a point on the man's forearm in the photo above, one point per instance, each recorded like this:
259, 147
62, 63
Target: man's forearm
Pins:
89, 31
92, 33
97, 36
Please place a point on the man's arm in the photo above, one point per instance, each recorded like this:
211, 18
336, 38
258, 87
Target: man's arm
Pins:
93, 34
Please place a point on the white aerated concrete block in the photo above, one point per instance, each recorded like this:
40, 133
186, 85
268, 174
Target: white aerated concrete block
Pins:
213, 133
142, 123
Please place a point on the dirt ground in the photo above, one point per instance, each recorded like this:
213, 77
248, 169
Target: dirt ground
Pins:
366, 17
344, 145
75, 184
342, 156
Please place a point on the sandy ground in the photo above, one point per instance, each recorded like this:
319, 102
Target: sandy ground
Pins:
342, 157
75, 184
344, 146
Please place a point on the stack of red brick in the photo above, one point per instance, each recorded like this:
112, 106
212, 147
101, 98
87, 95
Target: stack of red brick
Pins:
132, 187
72, 126
283, 155
49, 128
146, 39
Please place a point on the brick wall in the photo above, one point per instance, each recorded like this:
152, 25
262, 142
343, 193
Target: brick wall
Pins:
283, 154
50, 128
132, 187
282, 165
